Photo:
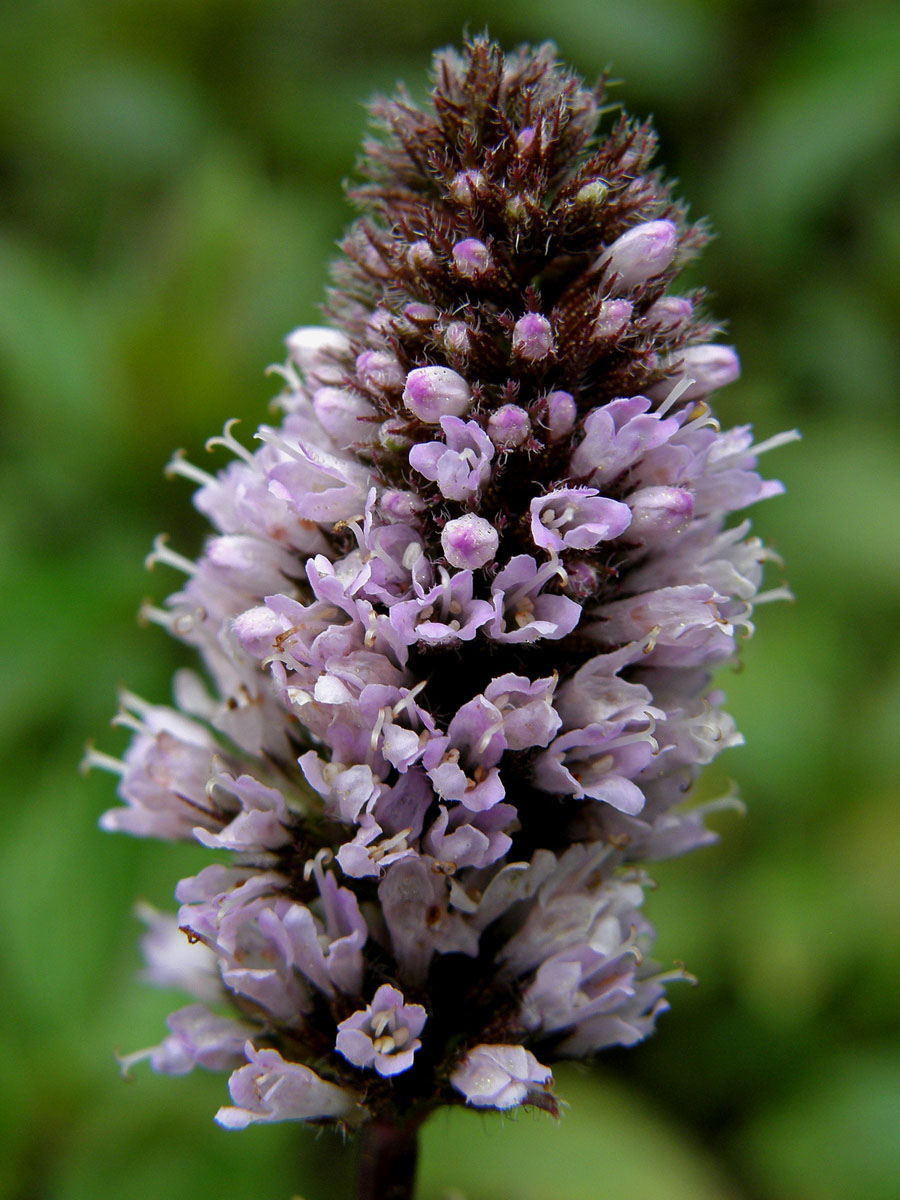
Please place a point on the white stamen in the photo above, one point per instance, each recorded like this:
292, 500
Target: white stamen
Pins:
778, 593
372, 629
127, 720
445, 589
331, 771
674, 396
411, 555
381, 1020
403, 705
547, 571
105, 762
161, 553
703, 420
485, 739
179, 465
780, 439
383, 713
231, 443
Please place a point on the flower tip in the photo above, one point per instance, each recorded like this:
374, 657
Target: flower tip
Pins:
434, 392
638, 255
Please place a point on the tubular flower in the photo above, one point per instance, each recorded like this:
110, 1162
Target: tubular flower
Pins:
457, 620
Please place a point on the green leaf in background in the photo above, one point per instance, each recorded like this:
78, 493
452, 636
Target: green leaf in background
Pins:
169, 198
834, 1137
609, 1143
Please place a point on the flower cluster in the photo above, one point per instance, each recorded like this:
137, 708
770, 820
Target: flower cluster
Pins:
457, 621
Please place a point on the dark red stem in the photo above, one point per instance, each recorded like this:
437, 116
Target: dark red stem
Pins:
386, 1166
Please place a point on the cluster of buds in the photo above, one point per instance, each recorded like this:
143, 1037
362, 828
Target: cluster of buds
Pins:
457, 622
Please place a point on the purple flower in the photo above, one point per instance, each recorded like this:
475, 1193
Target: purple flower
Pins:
271, 1089
198, 1038
500, 1076
522, 612
383, 1036
457, 621
461, 465
576, 518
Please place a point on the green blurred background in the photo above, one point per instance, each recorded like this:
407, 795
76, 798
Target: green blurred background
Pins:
170, 176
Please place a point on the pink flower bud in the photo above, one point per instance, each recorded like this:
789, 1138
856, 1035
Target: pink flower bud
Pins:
380, 326
379, 370
456, 337
472, 258
420, 255
435, 392
401, 506
420, 312
532, 337
465, 187
343, 414
671, 314
315, 350
638, 255
612, 319
710, 367
469, 541
525, 139
562, 413
509, 426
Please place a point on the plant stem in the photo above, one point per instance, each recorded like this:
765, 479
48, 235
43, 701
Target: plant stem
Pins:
386, 1166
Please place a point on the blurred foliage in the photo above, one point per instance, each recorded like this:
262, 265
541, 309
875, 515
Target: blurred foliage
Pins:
170, 178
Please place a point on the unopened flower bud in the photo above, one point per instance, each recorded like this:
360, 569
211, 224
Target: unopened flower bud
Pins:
392, 435
582, 579
465, 187
659, 511
373, 261
401, 506
379, 370
525, 138
315, 350
472, 258
532, 337
469, 541
420, 255
515, 210
709, 367
344, 415
592, 194
562, 413
671, 314
457, 338
509, 426
638, 255
435, 392
380, 326
612, 319
420, 313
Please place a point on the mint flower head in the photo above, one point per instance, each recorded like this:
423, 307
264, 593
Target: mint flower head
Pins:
457, 621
